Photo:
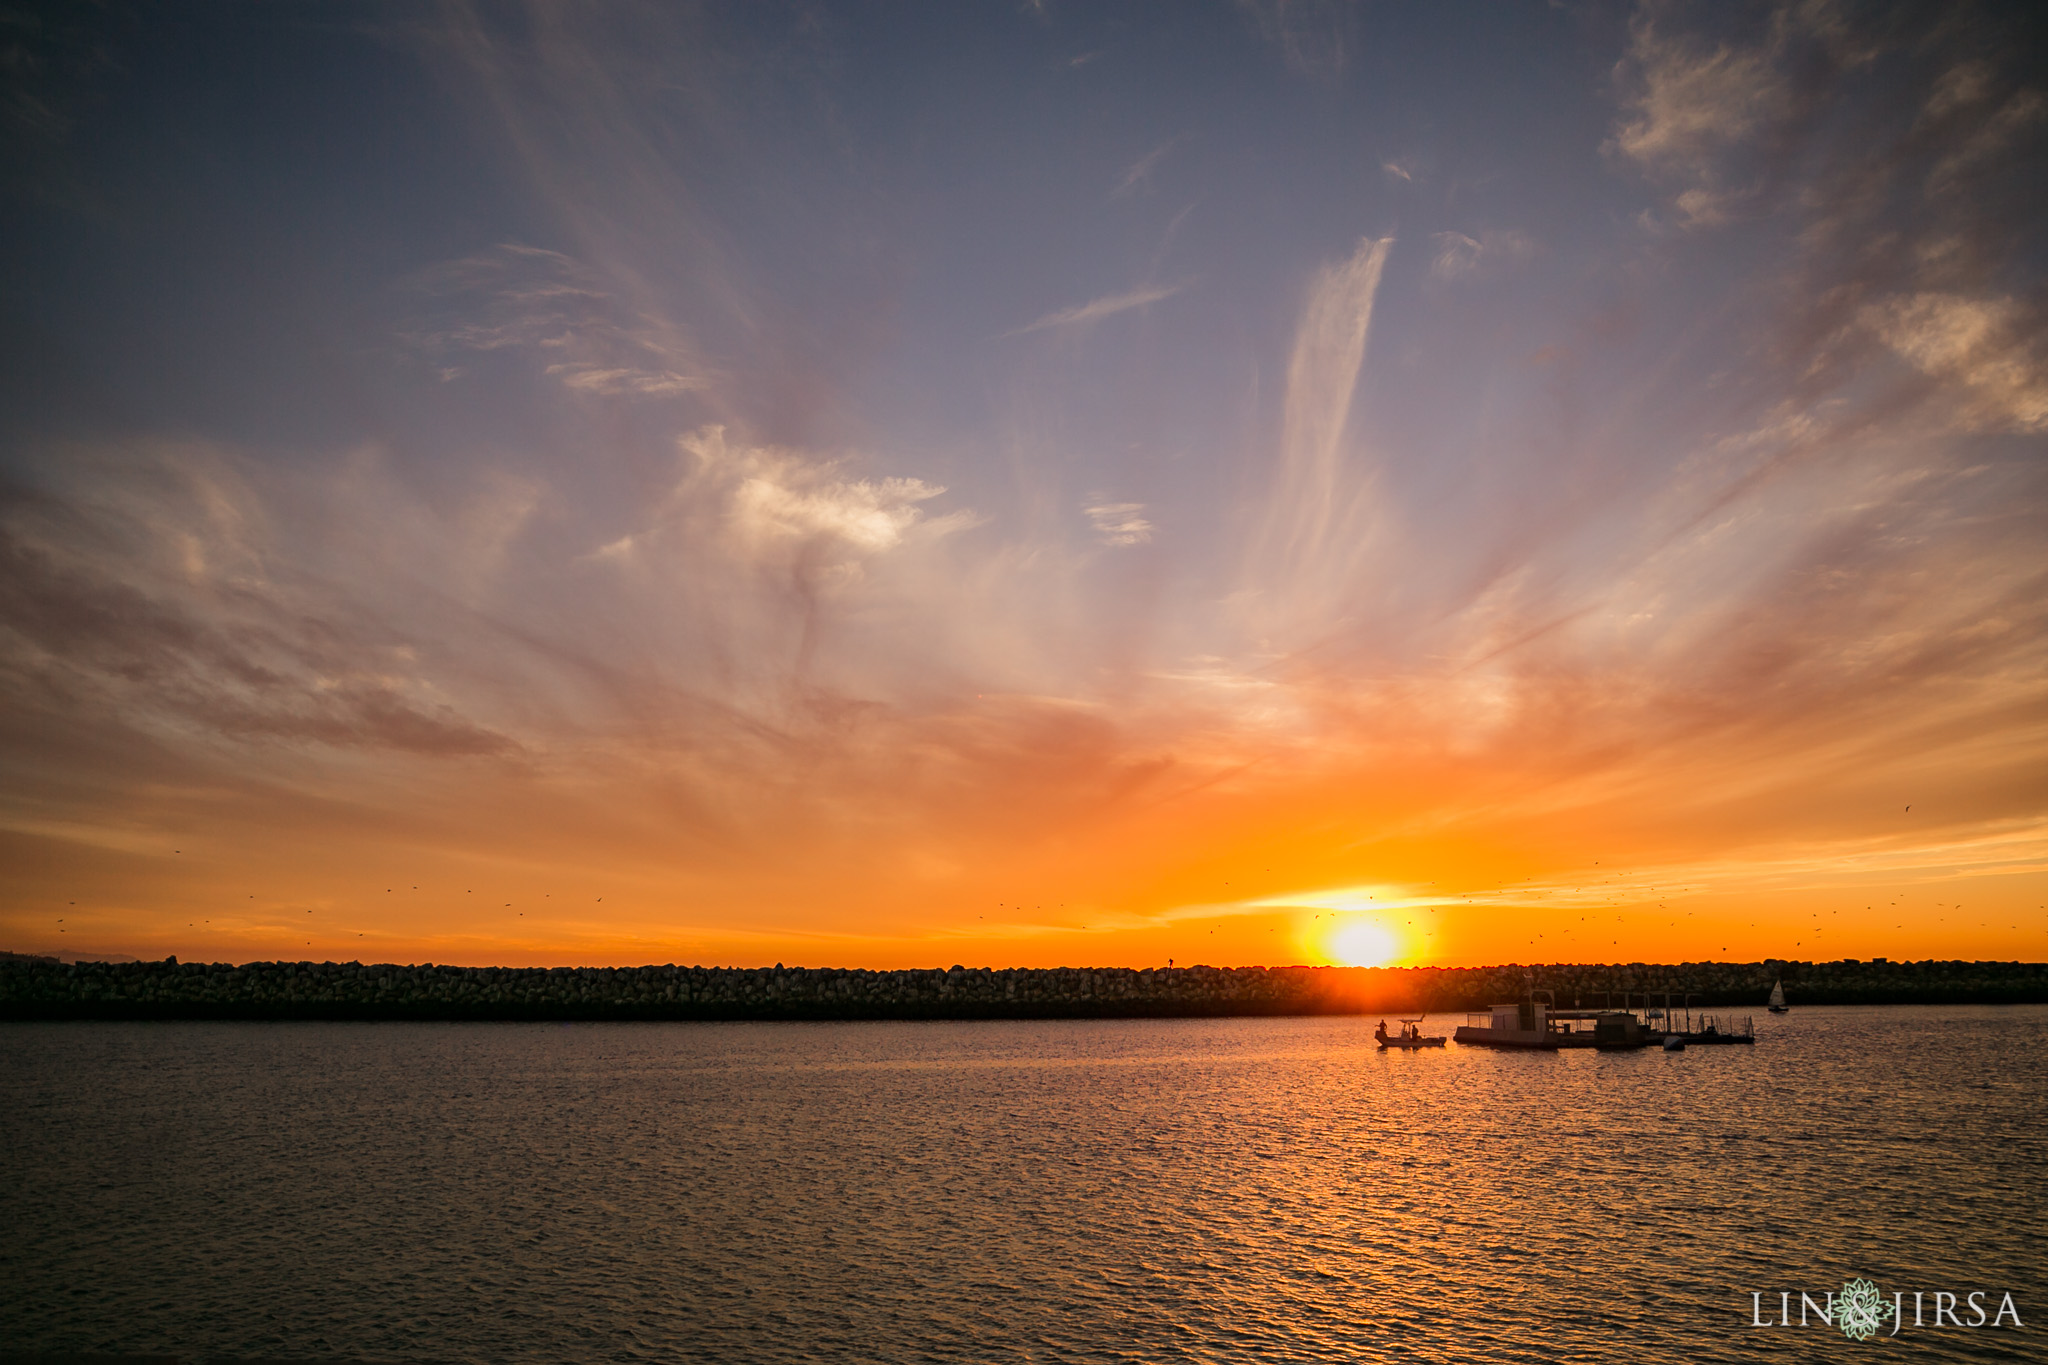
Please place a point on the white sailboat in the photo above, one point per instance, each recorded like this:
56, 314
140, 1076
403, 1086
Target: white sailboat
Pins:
1777, 1004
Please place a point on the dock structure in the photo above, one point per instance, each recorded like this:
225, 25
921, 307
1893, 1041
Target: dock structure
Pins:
1536, 1022
1676, 1025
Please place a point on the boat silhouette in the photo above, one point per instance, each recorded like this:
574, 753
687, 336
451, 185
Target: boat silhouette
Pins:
1410, 1036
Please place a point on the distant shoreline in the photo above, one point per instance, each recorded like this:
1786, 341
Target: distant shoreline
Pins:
40, 988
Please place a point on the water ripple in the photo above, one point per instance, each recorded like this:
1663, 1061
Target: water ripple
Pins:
1161, 1190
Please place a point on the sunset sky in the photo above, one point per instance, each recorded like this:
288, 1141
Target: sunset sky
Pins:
1024, 483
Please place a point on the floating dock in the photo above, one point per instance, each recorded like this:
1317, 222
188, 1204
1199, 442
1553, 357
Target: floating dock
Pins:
1536, 1023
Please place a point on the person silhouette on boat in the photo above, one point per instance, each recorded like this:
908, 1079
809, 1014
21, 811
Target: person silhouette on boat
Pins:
1381, 1032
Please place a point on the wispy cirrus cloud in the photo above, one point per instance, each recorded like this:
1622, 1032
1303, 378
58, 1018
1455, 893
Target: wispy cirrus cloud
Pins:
192, 620
1081, 314
1458, 253
1139, 174
518, 298
1316, 37
1310, 535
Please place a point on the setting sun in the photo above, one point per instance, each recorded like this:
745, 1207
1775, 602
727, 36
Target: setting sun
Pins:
1362, 945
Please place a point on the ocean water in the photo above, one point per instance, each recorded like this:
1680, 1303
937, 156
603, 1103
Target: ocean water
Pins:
1161, 1190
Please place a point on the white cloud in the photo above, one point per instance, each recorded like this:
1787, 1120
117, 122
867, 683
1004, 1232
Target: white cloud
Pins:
866, 514
1702, 207
1118, 523
777, 495
1972, 342
1690, 101
1688, 106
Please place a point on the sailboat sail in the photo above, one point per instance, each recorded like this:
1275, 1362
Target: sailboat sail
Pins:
1777, 996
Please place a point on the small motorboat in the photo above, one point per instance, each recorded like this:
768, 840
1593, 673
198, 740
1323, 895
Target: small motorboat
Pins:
1674, 1043
1410, 1036
1777, 1004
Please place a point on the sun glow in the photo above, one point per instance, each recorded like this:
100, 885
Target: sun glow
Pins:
1363, 945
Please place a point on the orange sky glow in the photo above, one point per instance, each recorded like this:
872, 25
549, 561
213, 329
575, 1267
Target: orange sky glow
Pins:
1059, 851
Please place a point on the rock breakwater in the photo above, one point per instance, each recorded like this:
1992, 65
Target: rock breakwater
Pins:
42, 988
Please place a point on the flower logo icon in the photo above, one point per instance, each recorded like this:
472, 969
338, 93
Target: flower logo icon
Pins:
1860, 1310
